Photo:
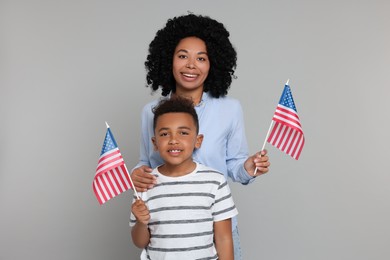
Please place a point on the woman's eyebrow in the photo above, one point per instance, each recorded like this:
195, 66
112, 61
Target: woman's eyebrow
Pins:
184, 50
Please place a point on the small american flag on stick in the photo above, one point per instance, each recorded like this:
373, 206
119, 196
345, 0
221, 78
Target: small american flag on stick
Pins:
111, 177
287, 134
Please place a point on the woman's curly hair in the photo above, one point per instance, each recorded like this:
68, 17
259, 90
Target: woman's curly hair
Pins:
221, 53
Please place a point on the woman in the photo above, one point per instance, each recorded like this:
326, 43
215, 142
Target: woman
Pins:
193, 57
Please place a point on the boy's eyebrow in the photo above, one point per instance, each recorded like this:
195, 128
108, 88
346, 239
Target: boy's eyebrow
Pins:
180, 127
184, 127
162, 129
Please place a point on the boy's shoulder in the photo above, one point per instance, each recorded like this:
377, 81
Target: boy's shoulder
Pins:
201, 167
210, 172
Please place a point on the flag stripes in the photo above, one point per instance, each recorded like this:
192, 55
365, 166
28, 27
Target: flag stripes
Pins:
287, 134
109, 160
111, 177
287, 116
287, 140
111, 183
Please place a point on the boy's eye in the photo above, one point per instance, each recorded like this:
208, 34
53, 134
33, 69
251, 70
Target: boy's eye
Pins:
184, 133
163, 134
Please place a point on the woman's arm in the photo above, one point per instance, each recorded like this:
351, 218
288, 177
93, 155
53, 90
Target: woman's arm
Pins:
223, 239
241, 167
140, 174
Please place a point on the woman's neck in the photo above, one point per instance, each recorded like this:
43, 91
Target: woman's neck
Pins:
194, 95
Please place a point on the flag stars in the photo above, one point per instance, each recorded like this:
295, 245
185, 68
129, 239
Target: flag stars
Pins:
108, 144
287, 134
287, 99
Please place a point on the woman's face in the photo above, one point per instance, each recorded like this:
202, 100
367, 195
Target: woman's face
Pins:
191, 64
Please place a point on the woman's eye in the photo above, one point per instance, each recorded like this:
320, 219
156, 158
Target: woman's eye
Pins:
182, 56
202, 59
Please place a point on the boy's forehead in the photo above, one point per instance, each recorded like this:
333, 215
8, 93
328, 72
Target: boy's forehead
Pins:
177, 118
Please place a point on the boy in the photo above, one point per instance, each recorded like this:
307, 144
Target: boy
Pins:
187, 215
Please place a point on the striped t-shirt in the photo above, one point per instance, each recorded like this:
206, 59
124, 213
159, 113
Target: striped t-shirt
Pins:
182, 213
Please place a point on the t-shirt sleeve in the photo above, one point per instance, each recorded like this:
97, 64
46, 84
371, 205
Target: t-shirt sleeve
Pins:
223, 207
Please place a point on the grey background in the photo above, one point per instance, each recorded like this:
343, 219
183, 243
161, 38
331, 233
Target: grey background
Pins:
68, 66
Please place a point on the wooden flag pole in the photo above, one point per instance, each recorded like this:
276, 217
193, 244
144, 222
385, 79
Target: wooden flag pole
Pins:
132, 184
265, 141
269, 130
131, 180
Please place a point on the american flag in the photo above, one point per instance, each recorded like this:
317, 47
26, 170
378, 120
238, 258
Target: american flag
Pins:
287, 133
112, 177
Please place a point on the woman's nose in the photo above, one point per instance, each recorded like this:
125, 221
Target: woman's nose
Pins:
190, 65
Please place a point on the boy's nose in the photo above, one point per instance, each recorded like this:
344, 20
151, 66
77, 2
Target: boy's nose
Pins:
172, 141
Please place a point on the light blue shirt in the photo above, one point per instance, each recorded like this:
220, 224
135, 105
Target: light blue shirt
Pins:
224, 145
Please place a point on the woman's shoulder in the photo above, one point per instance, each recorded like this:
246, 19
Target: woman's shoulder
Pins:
148, 107
225, 101
152, 103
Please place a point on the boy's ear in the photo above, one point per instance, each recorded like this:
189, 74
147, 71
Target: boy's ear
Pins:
154, 143
199, 140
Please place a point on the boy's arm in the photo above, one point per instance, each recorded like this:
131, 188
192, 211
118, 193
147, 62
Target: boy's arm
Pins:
140, 231
223, 239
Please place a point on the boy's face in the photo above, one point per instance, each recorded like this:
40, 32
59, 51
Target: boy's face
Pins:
176, 138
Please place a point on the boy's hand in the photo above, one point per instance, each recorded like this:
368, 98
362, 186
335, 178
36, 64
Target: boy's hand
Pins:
140, 211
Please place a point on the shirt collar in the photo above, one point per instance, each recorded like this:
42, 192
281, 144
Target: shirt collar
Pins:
205, 97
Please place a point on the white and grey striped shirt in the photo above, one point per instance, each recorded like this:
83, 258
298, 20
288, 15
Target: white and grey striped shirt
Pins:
183, 210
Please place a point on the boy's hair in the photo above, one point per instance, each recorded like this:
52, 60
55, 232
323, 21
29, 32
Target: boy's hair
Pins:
175, 105
221, 53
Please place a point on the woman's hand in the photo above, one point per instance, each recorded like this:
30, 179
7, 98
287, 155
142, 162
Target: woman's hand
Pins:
258, 160
142, 178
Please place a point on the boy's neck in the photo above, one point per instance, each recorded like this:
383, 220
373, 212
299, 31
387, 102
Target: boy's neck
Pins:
177, 170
